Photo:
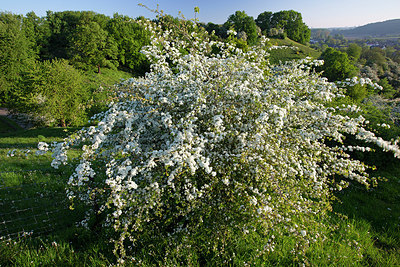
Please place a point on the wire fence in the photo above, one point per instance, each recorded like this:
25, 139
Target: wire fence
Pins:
34, 209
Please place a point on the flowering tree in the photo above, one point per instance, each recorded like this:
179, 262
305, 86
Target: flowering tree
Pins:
209, 144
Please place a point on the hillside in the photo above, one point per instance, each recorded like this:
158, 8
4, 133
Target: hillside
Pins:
302, 51
389, 28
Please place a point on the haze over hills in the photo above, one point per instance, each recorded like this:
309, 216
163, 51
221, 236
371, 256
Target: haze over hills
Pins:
385, 29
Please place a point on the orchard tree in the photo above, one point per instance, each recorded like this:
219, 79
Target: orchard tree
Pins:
92, 46
240, 21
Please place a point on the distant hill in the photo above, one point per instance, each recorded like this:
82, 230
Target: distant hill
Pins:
388, 28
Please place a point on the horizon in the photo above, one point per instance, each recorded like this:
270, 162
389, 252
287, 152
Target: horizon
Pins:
315, 14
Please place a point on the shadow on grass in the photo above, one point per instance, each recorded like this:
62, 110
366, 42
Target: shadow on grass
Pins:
28, 139
378, 206
50, 132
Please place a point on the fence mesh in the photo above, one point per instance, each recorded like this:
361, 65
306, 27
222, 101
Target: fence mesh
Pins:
34, 209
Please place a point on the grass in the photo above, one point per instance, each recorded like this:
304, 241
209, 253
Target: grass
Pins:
363, 229
287, 54
107, 77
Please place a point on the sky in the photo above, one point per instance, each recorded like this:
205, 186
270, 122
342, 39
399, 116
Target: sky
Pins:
316, 13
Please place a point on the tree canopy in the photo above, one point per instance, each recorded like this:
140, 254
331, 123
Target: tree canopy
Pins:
241, 22
290, 21
16, 52
92, 46
337, 66
55, 91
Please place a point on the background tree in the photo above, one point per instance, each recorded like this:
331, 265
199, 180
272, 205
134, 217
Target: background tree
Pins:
61, 27
293, 25
337, 66
374, 55
387, 89
54, 91
92, 46
219, 30
240, 21
16, 53
354, 51
36, 31
264, 22
129, 38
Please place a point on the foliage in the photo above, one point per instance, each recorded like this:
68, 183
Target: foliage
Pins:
337, 66
219, 30
130, 37
290, 21
92, 46
208, 147
374, 55
240, 21
264, 21
354, 51
54, 92
16, 53
387, 89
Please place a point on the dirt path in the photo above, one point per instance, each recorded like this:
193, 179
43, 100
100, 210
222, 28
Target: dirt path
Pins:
3, 112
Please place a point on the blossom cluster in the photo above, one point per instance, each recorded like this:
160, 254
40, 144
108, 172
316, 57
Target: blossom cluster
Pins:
361, 81
215, 138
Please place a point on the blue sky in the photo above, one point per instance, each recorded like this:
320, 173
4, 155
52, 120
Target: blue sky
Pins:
316, 13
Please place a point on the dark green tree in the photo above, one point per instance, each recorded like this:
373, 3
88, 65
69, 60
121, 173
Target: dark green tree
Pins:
354, 51
240, 21
264, 21
61, 27
91, 46
357, 92
292, 24
35, 31
374, 55
129, 37
219, 30
387, 89
337, 66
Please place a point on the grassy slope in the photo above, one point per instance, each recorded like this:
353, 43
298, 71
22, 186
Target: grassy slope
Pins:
290, 54
107, 77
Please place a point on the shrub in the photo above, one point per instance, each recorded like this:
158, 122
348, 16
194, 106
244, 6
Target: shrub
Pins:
208, 149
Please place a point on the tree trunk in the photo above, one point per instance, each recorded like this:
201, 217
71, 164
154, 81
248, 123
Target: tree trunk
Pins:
98, 69
63, 123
